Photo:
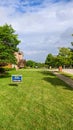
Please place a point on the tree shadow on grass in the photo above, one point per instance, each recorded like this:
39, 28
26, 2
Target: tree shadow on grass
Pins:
47, 73
5, 75
55, 81
68, 75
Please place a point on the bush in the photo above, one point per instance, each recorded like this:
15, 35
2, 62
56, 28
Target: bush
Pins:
2, 70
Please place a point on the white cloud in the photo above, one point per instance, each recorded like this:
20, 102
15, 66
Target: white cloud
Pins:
40, 28
55, 17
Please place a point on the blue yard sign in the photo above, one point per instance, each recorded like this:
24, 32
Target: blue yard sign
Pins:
16, 78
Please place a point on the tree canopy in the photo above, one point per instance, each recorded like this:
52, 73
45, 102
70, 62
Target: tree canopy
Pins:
64, 58
49, 60
8, 44
33, 64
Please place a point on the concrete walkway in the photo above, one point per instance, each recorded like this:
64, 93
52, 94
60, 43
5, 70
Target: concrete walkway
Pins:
70, 71
64, 78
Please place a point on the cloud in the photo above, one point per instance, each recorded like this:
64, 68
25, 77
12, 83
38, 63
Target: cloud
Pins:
54, 17
42, 25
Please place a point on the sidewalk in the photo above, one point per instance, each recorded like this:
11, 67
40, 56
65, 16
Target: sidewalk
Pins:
64, 78
70, 71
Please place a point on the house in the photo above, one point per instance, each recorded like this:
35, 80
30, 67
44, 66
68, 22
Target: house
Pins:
20, 61
19, 56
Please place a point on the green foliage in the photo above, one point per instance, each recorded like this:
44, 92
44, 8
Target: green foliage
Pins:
50, 60
72, 43
40, 65
64, 58
30, 63
8, 44
72, 52
34, 64
2, 70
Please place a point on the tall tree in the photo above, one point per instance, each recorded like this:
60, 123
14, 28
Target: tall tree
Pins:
64, 56
49, 60
8, 44
72, 52
31, 63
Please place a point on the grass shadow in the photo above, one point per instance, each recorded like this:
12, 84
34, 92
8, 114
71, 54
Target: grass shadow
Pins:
13, 84
55, 81
67, 75
46, 73
5, 75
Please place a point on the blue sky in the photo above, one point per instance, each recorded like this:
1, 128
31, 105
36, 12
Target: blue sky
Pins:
42, 25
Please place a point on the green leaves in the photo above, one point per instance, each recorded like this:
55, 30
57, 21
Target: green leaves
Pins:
8, 44
49, 59
64, 58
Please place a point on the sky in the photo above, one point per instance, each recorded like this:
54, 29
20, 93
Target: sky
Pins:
42, 25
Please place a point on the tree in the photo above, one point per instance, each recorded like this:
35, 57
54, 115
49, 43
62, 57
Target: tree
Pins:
72, 43
8, 44
30, 63
49, 60
64, 56
72, 52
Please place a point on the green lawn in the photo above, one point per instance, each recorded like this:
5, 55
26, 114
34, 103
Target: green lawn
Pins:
67, 74
40, 102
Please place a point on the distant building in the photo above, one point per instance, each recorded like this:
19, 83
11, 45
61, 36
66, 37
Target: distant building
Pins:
20, 61
19, 56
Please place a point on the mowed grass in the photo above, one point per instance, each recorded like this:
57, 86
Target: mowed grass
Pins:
67, 74
40, 102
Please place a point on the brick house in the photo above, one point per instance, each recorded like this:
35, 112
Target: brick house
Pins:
20, 61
